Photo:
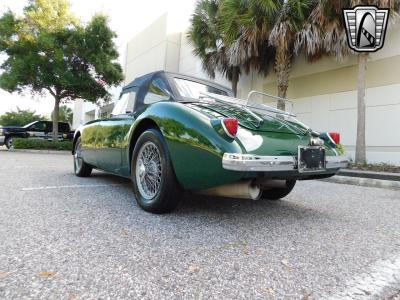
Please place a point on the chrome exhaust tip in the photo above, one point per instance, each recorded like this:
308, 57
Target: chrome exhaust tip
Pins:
247, 189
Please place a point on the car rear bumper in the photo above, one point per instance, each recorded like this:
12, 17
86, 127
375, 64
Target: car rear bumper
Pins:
259, 163
2, 139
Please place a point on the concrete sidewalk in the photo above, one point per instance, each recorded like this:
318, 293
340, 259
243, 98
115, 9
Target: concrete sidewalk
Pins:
35, 151
367, 178
370, 174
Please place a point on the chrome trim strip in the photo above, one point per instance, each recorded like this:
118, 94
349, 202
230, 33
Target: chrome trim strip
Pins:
260, 163
260, 120
333, 162
249, 162
251, 93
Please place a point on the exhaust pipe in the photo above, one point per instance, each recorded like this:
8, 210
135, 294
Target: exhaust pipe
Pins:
243, 189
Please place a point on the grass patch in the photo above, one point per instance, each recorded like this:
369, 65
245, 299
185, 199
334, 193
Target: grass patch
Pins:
40, 144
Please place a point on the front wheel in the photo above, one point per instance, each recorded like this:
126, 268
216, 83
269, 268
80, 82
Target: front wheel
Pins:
9, 143
278, 193
154, 182
81, 168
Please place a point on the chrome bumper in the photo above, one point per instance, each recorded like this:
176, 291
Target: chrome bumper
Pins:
259, 163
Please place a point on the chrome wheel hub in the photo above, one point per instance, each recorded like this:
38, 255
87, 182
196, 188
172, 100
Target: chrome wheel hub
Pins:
148, 170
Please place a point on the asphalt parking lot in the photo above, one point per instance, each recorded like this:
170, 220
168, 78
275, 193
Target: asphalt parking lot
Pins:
63, 237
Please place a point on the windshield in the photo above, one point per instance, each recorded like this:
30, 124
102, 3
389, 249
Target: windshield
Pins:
193, 89
27, 125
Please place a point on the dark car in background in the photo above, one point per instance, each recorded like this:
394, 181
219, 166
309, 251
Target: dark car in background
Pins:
37, 129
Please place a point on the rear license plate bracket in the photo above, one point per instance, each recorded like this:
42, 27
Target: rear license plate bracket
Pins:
311, 159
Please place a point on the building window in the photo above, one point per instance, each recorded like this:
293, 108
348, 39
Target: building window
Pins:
158, 91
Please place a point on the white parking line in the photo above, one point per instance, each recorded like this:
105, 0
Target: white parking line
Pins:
71, 186
383, 274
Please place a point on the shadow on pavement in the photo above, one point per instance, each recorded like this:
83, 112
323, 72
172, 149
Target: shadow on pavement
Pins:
194, 205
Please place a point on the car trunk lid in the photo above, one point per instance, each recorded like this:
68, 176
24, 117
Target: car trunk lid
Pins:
250, 119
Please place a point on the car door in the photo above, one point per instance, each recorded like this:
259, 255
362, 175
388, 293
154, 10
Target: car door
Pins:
63, 130
49, 130
113, 136
37, 130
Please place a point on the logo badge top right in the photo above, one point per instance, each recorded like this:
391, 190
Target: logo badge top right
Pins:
366, 27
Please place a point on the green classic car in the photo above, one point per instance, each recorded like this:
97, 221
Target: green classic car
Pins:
170, 132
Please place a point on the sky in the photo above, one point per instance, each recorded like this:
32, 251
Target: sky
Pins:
127, 18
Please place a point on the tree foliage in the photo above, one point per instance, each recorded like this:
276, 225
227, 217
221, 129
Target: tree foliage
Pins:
65, 114
220, 44
246, 35
49, 51
20, 117
208, 42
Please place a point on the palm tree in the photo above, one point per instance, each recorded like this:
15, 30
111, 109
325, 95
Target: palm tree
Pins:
245, 26
324, 33
208, 42
258, 30
288, 20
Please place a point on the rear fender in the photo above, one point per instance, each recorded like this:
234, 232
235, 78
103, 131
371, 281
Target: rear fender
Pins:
195, 146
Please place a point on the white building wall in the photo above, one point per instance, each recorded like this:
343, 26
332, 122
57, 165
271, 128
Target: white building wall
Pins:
83, 112
155, 48
338, 112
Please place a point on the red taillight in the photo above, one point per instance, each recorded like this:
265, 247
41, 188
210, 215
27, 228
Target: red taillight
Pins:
230, 126
335, 136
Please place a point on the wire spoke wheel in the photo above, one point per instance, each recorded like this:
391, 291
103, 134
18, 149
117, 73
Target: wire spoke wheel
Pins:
148, 170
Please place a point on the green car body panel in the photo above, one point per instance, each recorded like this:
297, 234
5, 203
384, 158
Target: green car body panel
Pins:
195, 140
196, 146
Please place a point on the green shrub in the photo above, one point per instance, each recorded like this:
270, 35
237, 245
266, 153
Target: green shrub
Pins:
19, 143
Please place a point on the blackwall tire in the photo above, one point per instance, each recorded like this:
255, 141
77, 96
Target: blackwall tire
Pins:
154, 182
81, 169
9, 143
278, 193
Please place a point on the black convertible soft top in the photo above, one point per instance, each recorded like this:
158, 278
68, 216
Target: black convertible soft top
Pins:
141, 84
143, 80
137, 82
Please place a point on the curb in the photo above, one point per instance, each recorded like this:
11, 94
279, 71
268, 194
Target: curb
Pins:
370, 174
368, 182
59, 152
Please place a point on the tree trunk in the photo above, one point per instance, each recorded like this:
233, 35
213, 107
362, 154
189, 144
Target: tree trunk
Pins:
55, 117
235, 80
282, 69
360, 142
282, 93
